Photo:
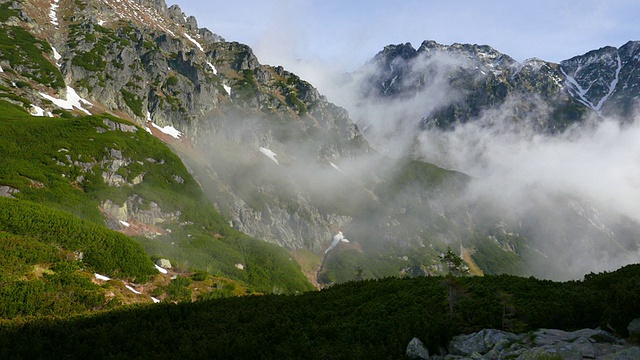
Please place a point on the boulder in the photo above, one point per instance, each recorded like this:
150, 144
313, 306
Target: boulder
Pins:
164, 263
632, 353
481, 342
417, 350
634, 328
7, 191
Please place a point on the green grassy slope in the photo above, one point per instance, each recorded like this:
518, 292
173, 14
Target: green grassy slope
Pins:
47, 257
60, 163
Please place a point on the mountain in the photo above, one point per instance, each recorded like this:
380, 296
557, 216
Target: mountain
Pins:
477, 110
131, 136
279, 162
601, 81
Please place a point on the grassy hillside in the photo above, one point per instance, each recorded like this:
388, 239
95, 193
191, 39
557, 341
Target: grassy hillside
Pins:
64, 164
373, 319
47, 257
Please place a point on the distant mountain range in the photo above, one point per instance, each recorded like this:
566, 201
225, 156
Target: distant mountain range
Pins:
603, 82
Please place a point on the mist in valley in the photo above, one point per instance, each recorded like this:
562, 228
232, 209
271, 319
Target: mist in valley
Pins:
572, 195
575, 194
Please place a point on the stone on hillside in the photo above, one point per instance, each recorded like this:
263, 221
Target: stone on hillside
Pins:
554, 352
632, 353
634, 328
417, 350
8, 191
114, 125
164, 263
481, 342
544, 337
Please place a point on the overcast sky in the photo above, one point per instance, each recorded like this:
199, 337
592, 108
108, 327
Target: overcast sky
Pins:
347, 33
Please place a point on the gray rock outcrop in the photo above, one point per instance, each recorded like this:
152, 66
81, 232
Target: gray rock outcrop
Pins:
164, 263
8, 191
480, 342
634, 328
544, 343
417, 350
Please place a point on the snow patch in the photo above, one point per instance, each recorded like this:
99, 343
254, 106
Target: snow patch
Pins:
227, 88
270, 154
162, 270
37, 111
73, 101
125, 224
133, 290
580, 91
101, 277
53, 13
612, 86
197, 44
213, 68
169, 130
56, 56
337, 168
336, 239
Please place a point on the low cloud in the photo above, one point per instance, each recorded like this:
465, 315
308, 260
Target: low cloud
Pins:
574, 195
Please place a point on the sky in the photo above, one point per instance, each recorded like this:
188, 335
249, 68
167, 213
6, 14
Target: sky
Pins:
347, 33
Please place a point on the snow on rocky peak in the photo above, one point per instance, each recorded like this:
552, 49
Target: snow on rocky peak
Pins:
213, 68
197, 44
